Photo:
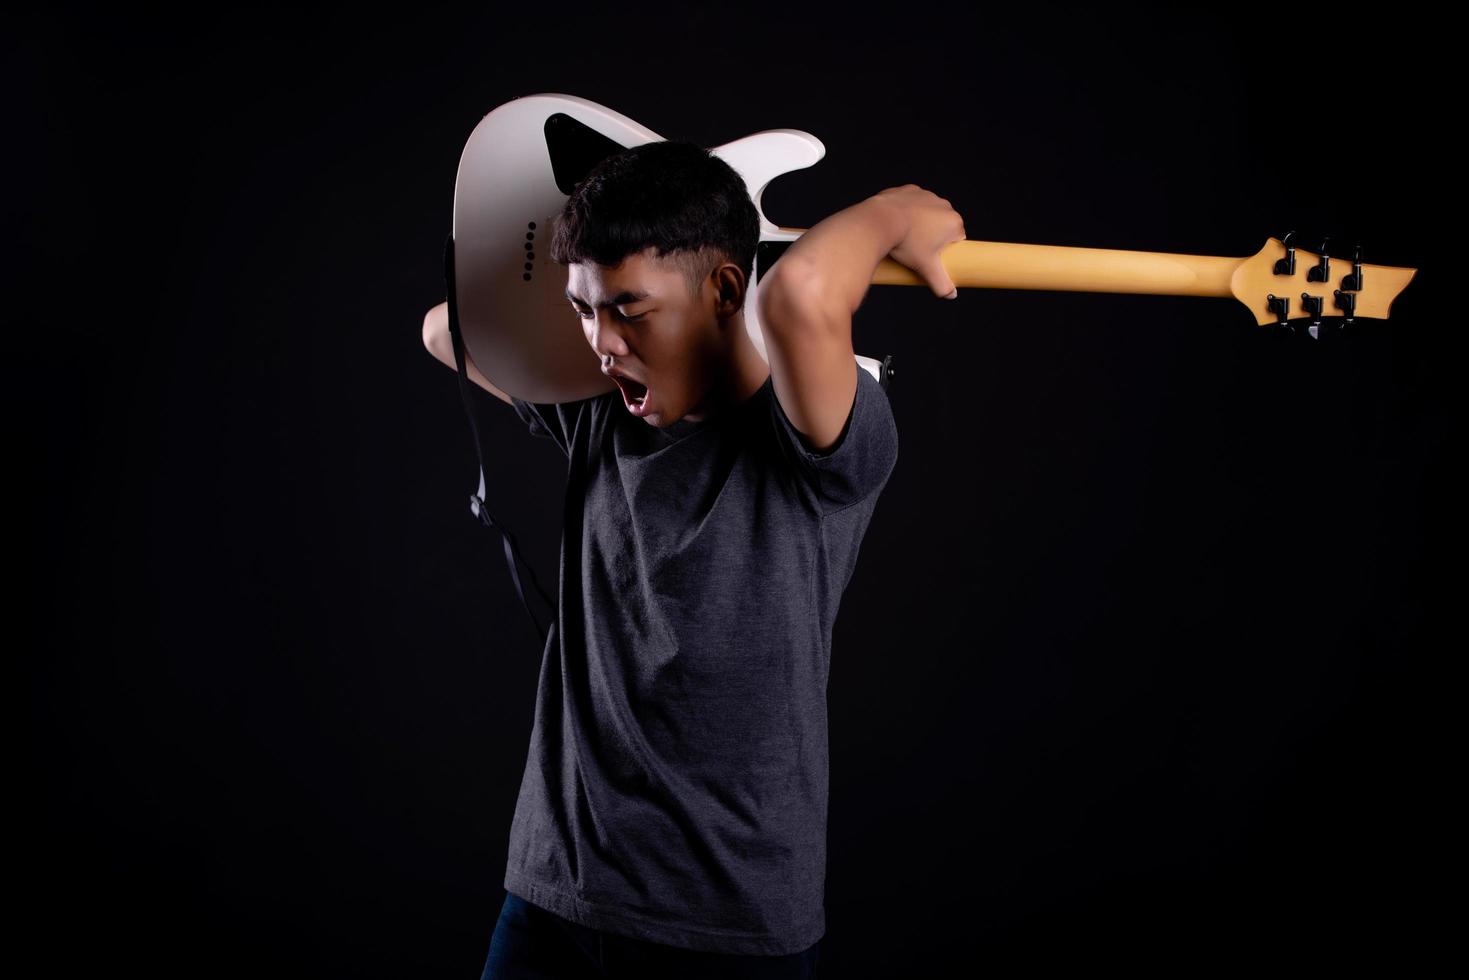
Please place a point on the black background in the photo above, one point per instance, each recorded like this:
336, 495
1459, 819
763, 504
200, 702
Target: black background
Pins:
1138, 666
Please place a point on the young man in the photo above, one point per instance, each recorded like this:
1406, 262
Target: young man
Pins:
672, 813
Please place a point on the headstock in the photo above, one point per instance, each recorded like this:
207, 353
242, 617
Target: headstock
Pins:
1282, 283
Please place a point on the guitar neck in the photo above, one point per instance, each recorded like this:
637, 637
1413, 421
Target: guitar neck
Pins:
1008, 265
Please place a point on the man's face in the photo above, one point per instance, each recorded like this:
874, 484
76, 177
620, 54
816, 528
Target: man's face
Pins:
653, 331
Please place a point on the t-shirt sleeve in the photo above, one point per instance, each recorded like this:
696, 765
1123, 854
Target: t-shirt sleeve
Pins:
556, 421
859, 464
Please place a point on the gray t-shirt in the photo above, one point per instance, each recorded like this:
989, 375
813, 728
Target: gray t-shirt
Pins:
676, 784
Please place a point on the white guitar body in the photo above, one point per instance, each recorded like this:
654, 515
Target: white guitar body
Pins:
516, 173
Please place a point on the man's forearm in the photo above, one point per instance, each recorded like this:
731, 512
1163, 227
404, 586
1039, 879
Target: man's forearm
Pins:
834, 260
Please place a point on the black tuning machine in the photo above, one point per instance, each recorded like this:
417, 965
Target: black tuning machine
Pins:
1287, 265
1321, 271
1280, 306
1351, 284
1354, 281
1312, 305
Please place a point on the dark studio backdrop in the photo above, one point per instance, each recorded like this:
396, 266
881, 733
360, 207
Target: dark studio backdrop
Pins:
1137, 666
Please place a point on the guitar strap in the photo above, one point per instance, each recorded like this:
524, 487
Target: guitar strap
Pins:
477, 499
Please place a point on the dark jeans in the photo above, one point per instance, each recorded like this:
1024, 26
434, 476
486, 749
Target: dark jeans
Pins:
532, 943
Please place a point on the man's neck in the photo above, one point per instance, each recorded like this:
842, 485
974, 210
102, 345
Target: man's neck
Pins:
743, 374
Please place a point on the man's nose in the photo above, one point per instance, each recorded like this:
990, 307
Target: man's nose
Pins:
605, 337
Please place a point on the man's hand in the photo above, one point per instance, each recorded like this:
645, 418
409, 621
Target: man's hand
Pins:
932, 225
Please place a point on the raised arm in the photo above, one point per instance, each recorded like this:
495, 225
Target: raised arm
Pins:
807, 302
440, 344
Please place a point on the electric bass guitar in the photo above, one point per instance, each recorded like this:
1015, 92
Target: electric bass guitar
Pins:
523, 160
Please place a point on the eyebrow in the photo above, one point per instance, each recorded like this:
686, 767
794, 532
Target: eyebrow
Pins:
626, 296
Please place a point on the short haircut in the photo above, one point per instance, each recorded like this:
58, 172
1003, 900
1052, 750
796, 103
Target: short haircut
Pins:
676, 197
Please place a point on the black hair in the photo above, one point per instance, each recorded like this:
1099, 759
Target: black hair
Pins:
685, 202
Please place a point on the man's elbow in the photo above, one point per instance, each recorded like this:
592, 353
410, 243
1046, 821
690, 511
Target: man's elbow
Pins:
430, 329
795, 300
436, 329
440, 344
781, 287
792, 277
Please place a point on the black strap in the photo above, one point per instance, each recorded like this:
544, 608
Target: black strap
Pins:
477, 499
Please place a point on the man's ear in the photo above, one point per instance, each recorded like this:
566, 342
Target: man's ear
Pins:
730, 283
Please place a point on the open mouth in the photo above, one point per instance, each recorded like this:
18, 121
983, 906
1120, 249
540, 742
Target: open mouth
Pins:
634, 394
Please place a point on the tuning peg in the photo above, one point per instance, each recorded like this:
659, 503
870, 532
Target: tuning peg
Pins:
1280, 306
1354, 279
1322, 270
1287, 265
1312, 305
1347, 303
